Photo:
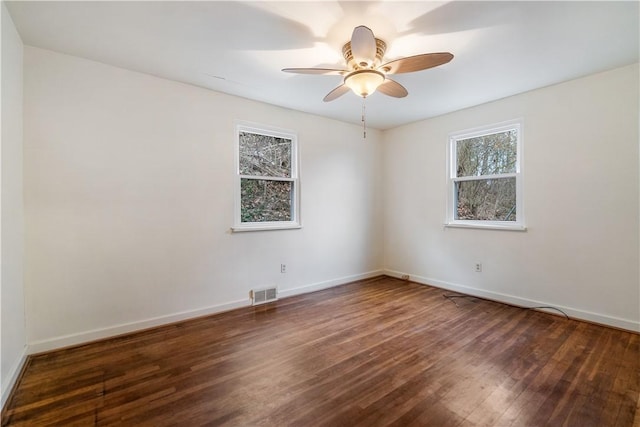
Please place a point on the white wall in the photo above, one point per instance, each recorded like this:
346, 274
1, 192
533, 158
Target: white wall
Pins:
580, 252
12, 338
129, 202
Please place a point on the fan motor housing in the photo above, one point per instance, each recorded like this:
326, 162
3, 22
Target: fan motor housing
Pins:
381, 47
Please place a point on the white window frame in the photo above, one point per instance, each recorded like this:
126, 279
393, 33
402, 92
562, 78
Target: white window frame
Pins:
452, 179
240, 226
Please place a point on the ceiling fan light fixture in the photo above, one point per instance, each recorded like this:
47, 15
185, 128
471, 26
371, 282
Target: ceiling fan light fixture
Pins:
366, 71
364, 82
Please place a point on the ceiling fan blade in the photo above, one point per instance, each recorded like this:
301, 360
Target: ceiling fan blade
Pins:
336, 93
416, 63
363, 46
324, 71
393, 88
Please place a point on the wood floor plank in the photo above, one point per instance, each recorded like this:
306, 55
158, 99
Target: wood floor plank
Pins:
376, 352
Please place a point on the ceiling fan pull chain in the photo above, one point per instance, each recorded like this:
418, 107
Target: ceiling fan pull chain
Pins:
364, 119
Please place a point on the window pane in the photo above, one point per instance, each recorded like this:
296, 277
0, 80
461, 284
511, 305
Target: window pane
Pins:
265, 200
486, 199
487, 155
263, 155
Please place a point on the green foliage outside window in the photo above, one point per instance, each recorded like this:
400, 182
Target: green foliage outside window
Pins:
265, 200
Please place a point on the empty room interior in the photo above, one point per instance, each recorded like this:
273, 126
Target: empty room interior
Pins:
329, 213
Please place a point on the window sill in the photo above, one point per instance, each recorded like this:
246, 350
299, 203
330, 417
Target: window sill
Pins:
265, 227
491, 226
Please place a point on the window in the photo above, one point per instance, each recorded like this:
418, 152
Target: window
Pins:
485, 178
267, 187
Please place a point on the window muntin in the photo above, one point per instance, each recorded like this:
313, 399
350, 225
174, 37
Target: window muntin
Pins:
267, 186
485, 177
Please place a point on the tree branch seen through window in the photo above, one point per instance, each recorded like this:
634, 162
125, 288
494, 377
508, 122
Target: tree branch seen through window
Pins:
267, 177
484, 176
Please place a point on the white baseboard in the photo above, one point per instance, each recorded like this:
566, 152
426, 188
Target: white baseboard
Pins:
572, 312
12, 377
328, 284
112, 331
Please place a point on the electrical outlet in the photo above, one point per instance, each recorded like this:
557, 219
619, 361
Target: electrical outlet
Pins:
283, 268
478, 267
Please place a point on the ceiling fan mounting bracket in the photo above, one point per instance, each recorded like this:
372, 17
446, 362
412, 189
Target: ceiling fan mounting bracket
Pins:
381, 48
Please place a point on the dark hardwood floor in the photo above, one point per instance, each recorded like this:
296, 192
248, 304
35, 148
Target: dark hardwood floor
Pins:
371, 353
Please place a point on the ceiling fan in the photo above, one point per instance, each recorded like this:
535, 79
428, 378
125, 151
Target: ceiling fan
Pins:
365, 71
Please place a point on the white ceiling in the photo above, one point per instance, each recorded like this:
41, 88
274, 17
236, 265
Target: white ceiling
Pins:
501, 48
